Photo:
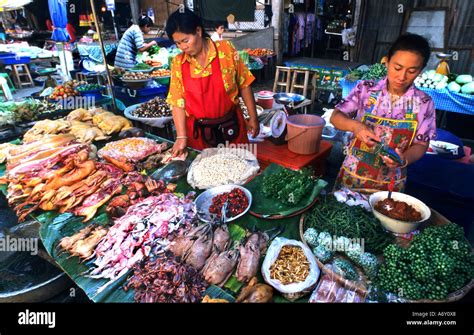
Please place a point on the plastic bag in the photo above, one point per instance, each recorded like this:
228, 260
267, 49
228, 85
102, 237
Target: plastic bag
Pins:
295, 290
352, 198
329, 290
251, 170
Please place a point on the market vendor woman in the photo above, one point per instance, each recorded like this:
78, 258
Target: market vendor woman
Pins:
392, 111
206, 80
132, 42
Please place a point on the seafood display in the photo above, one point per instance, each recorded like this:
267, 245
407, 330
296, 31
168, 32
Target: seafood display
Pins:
205, 248
83, 243
137, 187
144, 226
166, 280
127, 152
255, 292
156, 107
250, 253
291, 266
135, 76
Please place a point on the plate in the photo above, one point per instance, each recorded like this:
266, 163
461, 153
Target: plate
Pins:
204, 201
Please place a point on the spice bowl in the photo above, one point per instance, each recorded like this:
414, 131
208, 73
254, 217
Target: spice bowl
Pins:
204, 201
394, 225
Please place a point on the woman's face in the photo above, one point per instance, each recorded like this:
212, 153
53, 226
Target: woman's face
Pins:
190, 44
403, 68
145, 29
220, 30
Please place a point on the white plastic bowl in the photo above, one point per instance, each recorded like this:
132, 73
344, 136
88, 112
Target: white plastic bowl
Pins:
398, 226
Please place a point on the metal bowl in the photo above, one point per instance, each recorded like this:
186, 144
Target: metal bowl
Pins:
288, 98
204, 201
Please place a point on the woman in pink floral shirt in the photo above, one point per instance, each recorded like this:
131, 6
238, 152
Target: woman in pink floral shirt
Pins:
393, 112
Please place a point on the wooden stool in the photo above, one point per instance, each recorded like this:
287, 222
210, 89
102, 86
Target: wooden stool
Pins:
295, 85
20, 71
314, 86
284, 81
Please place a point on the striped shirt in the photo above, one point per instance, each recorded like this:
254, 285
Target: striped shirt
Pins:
127, 50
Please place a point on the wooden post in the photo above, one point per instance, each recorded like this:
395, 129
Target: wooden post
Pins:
277, 24
99, 32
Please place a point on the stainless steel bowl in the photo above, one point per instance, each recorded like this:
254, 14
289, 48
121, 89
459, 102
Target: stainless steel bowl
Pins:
288, 98
204, 201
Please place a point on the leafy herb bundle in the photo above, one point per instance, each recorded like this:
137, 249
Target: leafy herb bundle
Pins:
288, 186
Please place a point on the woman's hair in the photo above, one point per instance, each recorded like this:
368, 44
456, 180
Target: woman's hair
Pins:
184, 21
218, 24
145, 21
414, 43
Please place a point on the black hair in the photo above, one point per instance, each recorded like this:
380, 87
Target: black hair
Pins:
217, 24
184, 21
145, 21
414, 43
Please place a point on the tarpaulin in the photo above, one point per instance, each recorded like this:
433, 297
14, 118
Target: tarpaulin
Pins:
57, 10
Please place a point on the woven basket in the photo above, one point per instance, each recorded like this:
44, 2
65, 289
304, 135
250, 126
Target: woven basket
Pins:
361, 287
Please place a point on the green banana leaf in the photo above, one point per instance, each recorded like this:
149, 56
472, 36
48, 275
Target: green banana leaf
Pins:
270, 206
54, 227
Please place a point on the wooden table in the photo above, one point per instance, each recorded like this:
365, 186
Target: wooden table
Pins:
268, 152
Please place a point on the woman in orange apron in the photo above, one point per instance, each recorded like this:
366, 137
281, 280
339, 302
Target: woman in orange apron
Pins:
206, 81
391, 115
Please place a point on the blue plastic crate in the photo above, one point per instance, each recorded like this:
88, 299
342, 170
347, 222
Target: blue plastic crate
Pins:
15, 60
131, 97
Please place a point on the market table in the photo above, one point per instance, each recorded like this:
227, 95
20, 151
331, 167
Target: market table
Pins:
54, 226
268, 152
319, 63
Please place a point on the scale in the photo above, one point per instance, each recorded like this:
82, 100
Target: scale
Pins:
274, 124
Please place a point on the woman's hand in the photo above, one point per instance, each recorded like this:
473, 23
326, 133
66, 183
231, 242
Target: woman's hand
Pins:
367, 136
253, 127
179, 147
392, 164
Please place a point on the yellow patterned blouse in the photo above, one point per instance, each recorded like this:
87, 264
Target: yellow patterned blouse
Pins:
235, 73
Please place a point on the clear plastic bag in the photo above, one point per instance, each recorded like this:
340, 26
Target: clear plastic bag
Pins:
329, 290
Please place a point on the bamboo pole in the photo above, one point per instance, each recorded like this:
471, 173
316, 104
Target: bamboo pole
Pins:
109, 79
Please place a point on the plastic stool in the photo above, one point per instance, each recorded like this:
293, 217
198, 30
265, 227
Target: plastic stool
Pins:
9, 81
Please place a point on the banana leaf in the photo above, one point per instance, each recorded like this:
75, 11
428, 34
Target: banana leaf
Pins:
215, 292
270, 206
53, 228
